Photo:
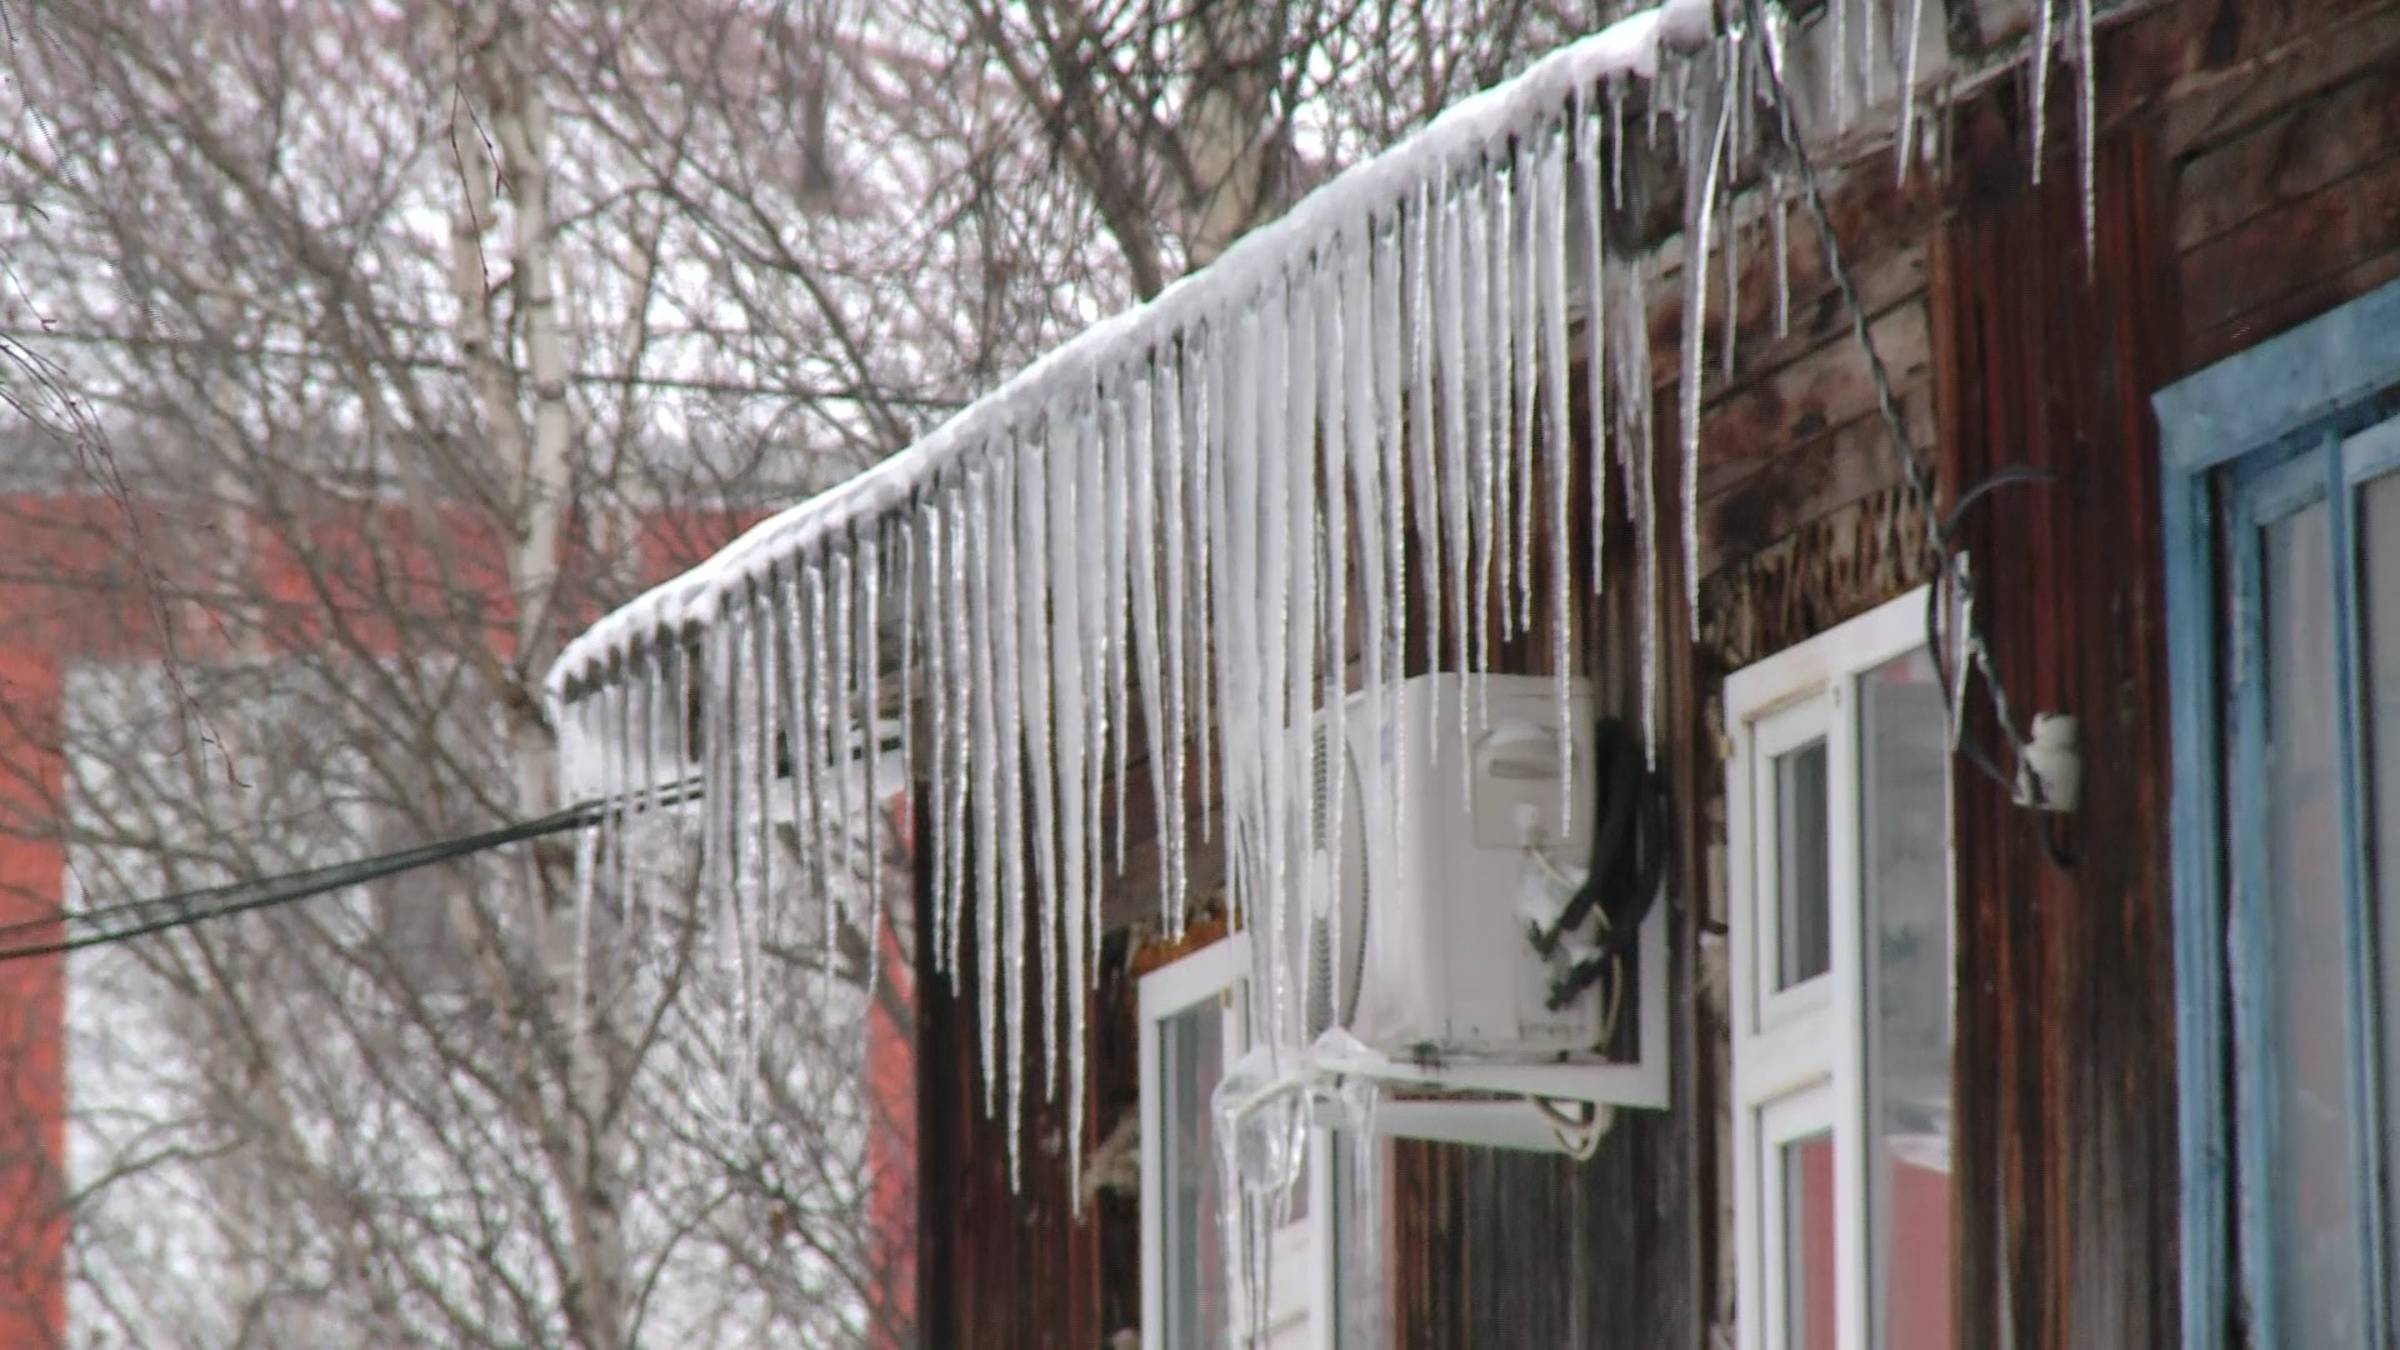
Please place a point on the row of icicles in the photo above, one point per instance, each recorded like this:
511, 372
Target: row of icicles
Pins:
1191, 520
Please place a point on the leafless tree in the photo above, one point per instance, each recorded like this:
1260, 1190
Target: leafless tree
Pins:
418, 337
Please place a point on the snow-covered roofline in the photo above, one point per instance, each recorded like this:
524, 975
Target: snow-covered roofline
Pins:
1371, 189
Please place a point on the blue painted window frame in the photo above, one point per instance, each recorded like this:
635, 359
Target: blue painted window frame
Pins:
2233, 438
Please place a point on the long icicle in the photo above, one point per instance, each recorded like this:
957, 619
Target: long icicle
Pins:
1394, 355
1523, 247
2043, 42
985, 742
1173, 736
1142, 480
1482, 389
1207, 387
2087, 113
1008, 752
1557, 362
1340, 378
933, 833
1100, 557
1500, 300
1595, 327
1448, 307
1699, 212
1069, 652
965, 764
1116, 524
1425, 492
844, 687
870, 586
1039, 755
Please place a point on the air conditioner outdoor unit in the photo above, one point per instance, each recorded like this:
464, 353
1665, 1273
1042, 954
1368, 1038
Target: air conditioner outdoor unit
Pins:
1435, 966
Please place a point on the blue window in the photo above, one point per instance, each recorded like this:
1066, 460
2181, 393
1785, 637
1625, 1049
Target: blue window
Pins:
2281, 485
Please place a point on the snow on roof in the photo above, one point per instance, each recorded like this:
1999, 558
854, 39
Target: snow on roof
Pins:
1373, 189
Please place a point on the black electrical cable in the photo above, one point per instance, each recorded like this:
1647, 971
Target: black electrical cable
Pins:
159, 914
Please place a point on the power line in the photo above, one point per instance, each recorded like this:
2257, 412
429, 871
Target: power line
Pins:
141, 918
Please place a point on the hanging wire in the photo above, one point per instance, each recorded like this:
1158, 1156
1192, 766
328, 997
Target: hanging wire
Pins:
1952, 586
25, 939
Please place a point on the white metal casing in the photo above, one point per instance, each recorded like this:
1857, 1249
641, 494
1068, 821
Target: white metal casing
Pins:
1449, 987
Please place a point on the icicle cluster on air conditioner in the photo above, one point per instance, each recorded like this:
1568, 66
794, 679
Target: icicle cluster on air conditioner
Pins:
1164, 525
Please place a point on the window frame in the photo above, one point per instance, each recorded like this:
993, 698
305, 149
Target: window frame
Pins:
1799, 1054
2246, 418
1221, 971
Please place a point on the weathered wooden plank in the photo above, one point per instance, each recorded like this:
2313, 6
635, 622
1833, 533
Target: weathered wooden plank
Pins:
1809, 481
2327, 232
1762, 420
2333, 54
2308, 146
2066, 1177
2290, 308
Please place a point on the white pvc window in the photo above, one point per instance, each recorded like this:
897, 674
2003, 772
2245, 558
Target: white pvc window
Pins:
1193, 1028
1838, 813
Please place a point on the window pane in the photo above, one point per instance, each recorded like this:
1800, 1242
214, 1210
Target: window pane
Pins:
1808, 1243
1904, 757
1802, 882
2311, 1195
1191, 1058
2379, 604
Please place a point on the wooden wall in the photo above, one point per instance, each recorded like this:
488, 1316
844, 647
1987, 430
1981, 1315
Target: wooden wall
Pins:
2249, 179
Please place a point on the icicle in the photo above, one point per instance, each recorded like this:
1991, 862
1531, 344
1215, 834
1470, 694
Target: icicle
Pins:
794, 699
1503, 185
1391, 586
1906, 146
1425, 492
842, 685
1637, 443
1705, 165
1730, 249
1840, 88
1069, 653
911, 560
1099, 519
750, 909
993, 815
653, 782
1551, 252
1595, 324
1449, 306
870, 581
1035, 733
1488, 391
2087, 112
1116, 524
1208, 453
587, 863
1234, 520
1009, 517
1286, 473
1526, 247
1172, 736
933, 833
2042, 44
1616, 142
970, 685
1141, 522
610, 702
722, 810
819, 761
1779, 243
1339, 383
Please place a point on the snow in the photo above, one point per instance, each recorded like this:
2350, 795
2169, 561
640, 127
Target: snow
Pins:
1362, 404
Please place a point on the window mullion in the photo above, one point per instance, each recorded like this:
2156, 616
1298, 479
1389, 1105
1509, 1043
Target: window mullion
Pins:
2351, 727
2250, 968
